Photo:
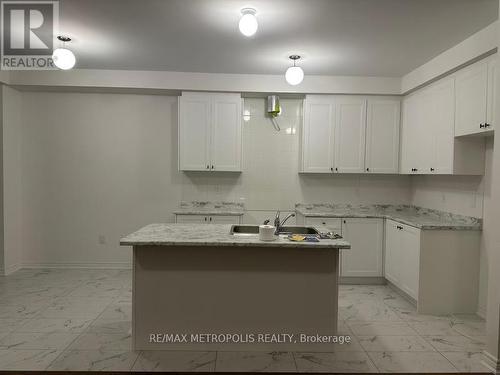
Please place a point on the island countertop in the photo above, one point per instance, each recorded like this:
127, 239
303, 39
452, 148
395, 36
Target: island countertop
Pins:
215, 235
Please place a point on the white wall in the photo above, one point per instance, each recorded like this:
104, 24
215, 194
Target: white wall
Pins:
12, 198
106, 164
95, 165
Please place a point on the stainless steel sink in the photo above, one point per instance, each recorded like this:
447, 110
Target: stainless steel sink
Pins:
242, 230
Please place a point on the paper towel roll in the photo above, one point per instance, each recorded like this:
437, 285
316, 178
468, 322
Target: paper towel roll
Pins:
266, 233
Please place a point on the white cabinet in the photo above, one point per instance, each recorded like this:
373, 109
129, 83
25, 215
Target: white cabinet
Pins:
428, 143
350, 127
318, 134
210, 132
333, 224
336, 137
207, 219
402, 257
364, 258
382, 135
475, 98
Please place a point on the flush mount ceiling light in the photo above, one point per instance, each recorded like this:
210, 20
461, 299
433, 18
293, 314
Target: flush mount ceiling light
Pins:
294, 74
248, 22
63, 58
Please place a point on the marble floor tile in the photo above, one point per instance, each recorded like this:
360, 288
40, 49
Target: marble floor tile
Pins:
27, 360
156, 360
103, 342
21, 311
434, 328
380, 328
67, 325
121, 311
110, 326
94, 360
334, 362
470, 328
255, 362
75, 307
457, 343
395, 344
10, 325
411, 362
367, 310
467, 361
37, 340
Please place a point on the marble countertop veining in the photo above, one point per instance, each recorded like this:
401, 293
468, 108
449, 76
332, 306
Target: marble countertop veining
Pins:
215, 235
418, 217
210, 208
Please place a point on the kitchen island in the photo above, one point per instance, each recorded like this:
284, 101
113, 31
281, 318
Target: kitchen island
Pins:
197, 287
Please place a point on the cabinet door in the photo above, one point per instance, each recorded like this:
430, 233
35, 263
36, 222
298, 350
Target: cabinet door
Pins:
226, 132
382, 136
492, 94
194, 132
470, 99
224, 219
191, 219
350, 127
441, 126
410, 260
333, 224
318, 134
364, 258
409, 147
392, 252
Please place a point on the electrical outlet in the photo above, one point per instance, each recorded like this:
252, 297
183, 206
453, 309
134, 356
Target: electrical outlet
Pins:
102, 239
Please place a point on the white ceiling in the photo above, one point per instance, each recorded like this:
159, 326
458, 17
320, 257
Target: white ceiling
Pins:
335, 37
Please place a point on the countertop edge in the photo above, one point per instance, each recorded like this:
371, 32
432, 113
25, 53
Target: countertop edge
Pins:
394, 218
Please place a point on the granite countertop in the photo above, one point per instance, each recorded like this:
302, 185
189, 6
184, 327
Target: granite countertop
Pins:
418, 217
215, 235
210, 208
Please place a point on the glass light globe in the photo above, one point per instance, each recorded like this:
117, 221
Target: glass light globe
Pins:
63, 58
294, 75
248, 23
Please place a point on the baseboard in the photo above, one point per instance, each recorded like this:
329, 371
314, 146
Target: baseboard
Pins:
481, 312
349, 280
83, 265
491, 362
10, 269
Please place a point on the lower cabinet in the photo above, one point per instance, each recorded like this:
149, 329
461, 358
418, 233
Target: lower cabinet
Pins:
402, 257
207, 219
364, 258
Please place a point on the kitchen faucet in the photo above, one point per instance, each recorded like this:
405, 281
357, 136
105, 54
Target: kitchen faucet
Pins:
279, 223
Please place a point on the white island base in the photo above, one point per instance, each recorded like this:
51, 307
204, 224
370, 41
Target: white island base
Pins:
238, 290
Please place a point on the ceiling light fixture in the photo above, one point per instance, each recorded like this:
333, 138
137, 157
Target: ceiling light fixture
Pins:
63, 58
248, 22
294, 74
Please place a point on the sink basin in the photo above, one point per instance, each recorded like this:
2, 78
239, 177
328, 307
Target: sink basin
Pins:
241, 230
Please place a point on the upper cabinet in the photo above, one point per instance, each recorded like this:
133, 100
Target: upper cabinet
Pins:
382, 135
475, 98
210, 132
428, 141
337, 138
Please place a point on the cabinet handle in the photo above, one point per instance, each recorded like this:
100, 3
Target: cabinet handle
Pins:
481, 126
345, 222
486, 125
432, 169
331, 169
336, 169
205, 219
399, 227
212, 167
210, 218
324, 223
368, 169
208, 166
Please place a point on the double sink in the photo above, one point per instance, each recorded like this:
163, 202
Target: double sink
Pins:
245, 230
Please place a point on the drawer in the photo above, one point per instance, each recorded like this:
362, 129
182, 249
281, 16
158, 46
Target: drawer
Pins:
332, 223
